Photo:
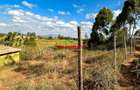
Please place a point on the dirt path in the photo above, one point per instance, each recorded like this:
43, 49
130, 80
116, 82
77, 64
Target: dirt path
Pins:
130, 76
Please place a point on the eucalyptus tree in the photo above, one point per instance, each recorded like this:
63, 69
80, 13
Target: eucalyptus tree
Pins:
129, 16
100, 29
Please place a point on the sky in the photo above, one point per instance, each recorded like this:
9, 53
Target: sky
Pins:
53, 17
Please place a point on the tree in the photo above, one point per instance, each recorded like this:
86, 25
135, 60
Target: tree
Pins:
18, 39
128, 16
100, 28
30, 39
123, 17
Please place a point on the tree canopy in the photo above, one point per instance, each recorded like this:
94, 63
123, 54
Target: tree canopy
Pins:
101, 26
104, 27
18, 39
128, 15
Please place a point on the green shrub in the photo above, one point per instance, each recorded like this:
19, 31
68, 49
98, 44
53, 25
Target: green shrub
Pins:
30, 53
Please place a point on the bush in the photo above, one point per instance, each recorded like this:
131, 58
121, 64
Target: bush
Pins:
30, 53
102, 79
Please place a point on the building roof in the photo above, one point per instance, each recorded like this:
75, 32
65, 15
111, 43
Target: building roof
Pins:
7, 50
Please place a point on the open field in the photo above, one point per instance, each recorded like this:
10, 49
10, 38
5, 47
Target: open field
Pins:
58, 65
43, 65
53, 42
70, 45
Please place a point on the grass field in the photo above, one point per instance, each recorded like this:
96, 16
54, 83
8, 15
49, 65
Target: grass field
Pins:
53, 42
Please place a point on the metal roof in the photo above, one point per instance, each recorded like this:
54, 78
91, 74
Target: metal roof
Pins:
7, 50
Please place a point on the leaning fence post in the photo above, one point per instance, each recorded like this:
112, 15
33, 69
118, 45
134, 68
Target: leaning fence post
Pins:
80, 71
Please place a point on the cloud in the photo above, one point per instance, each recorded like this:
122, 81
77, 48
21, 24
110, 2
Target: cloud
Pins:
24, 21
80, 10
16, 12
16, 6
63, 13
74, 23
27, 4
17, 19
116, 13
51, 10
3, 24
91, 16
86, 28
86, 25
75, 5
4, 7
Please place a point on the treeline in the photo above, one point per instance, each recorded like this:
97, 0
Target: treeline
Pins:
18, 39
60, 37
105, 27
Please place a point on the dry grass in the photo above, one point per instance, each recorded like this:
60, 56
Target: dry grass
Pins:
50, 70
60, 65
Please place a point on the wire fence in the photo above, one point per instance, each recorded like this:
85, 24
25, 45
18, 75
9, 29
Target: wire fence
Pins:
57, 61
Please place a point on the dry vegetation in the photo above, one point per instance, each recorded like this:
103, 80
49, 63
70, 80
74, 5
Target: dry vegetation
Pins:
56, 69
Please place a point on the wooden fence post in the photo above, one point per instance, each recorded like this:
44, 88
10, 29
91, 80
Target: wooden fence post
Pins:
80, 71
125, 45
131, 45
134, 44
115, 62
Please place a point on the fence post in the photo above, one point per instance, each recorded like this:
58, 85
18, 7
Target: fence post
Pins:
80, 71
125, 45
115, 62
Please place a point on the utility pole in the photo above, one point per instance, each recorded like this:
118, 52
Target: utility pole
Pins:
80, 71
